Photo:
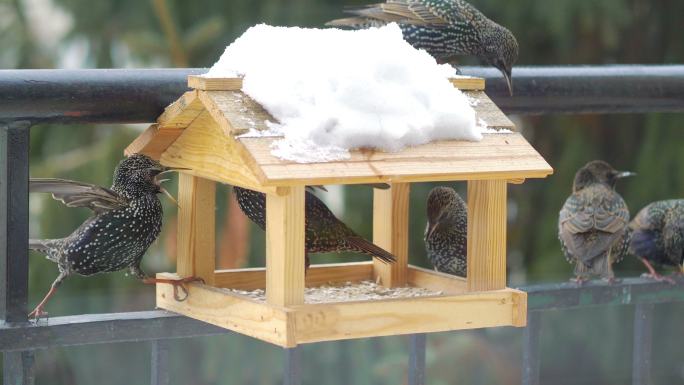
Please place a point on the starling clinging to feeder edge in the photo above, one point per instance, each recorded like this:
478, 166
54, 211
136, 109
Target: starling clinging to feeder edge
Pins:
444, 28
658, 236
324, 232
592, 225
446, 233
126, 219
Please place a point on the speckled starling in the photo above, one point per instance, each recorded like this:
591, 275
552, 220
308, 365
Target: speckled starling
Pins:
444, 28
658, 236
324, 232
592, 225
446, 233
126, 220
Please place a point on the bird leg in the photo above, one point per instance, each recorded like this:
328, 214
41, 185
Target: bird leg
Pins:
579, 280
38, 311
654, 274
177, 284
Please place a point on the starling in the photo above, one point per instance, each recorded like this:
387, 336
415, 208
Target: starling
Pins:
658, 236
126, 219
592, 225
324, 232
446, 233
443, 28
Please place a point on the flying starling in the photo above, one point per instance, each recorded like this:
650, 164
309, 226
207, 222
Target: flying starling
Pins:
446, 233
126, 219
324, 232
592, 225
444, 28
658, 236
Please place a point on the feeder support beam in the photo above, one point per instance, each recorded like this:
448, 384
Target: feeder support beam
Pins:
486, 235
196, 228
285, 246
390, 231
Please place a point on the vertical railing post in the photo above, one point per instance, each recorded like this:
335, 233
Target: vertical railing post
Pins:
160, 363
643, 339
531, 357
14, 174
293, 366
416, 368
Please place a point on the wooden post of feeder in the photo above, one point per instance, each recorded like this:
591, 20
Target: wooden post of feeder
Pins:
285, 246
486, 235
196, 228
390, 231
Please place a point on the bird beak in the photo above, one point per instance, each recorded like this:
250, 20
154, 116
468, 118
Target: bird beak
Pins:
509, 80
429, 229
624, 174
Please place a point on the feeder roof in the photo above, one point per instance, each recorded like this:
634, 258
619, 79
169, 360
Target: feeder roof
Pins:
201, 131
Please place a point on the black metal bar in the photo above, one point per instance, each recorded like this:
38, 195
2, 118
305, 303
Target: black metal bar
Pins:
14, 173
160, 363
102, 329
531, 357
18, 368
139, 95
416, 368
292, 374
630, 291
643, 343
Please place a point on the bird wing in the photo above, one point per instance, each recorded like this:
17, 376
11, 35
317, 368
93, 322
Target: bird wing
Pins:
78, 194
590, 221
415, 12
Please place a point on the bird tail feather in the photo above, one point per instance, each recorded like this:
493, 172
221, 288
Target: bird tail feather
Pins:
43, 246
369, 248
597, 267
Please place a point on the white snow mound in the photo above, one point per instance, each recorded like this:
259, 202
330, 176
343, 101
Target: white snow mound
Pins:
333, 90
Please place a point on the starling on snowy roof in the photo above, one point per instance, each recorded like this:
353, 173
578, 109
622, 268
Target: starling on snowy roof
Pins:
446, 233
658, 236
592, 225
444, 28
126, 219
324, 232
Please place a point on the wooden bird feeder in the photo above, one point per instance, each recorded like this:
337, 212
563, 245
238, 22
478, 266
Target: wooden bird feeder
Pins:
200, 132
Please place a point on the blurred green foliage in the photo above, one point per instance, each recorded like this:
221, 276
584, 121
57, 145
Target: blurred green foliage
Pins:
579, 347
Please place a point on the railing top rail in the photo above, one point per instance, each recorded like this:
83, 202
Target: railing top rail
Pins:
140, 95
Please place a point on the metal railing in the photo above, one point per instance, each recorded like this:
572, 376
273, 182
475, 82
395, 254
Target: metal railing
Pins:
30, 97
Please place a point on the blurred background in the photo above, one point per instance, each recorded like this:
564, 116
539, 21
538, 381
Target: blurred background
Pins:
590, 346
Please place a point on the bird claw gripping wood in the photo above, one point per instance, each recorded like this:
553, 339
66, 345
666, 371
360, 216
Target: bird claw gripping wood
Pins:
177, 284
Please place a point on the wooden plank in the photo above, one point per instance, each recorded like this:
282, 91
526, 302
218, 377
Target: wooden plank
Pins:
468, 83
317, 275
497, 156
153, 141
199, 82
436, 281
390, 231
182, 112
231, 311
285, 246
486, 235
196, 228
489, 112
345, 320
209, 153
235, 112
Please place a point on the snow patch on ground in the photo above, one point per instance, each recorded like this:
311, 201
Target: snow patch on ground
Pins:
333, 90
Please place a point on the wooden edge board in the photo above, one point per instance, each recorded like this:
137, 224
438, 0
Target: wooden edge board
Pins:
153, 141
185, 109
230, 311
317, 275
346, 320
309, 323
203, 83
434, 280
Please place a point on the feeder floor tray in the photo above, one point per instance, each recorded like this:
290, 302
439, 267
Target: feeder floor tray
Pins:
432, 302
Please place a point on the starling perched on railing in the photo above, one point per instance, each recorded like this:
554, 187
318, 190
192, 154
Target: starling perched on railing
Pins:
658, 236
126, 220
444, 28
446, 233
324, 232
592, 225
